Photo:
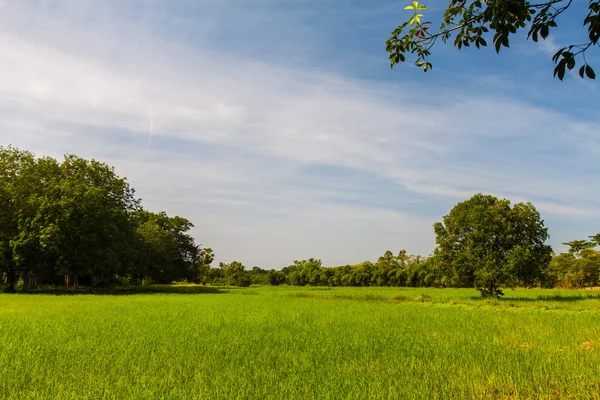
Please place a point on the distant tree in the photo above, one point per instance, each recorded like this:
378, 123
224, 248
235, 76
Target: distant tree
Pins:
485, 242
274, 277
306, 272
235, 274
579, 267
577, 246
475, 21
202, 267
258, 275
207, 256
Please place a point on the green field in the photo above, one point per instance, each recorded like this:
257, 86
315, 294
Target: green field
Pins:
313, 343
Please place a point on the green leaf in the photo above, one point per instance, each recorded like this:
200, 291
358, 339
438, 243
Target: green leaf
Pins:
557, 55
497, 42
581, 70
590, 72
559, 70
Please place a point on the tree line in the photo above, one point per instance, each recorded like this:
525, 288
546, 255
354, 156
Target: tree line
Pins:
573, 269
75, 222
484, 242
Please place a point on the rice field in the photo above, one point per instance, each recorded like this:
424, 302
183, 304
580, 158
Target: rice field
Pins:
189, 342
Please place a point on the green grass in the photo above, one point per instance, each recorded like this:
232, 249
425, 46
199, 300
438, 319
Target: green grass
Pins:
285, 343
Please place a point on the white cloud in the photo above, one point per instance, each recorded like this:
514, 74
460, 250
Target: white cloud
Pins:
220, 139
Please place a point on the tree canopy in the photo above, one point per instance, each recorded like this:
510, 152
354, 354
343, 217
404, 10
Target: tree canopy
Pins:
77, 222
485, 242
475, 22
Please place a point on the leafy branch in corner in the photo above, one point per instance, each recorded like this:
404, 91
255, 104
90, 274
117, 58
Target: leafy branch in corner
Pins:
470, 22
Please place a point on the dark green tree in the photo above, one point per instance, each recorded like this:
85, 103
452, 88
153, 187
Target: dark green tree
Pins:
202, 269
485, 242
577, 246
77, 222
274, 277
16, 171
167, 251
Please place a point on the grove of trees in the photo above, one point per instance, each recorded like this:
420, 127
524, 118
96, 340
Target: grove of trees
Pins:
483, 242
75, 222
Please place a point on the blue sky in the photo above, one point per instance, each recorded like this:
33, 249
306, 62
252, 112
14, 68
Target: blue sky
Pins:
278, 128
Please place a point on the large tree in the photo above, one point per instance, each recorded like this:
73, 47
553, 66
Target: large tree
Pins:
167, 252
17, 169
76, 221
485, 242
474, 22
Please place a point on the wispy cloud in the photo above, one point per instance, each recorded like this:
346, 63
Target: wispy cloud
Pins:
226, 140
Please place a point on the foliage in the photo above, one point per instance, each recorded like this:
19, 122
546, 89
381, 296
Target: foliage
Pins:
578, 268
275, 278
233, 274
485, 242
76, 222
473, 22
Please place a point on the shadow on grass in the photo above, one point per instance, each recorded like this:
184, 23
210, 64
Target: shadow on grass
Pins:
542, 297
125, 290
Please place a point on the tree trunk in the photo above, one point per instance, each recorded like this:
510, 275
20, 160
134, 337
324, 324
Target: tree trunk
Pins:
67, 280
26, 280
11, 280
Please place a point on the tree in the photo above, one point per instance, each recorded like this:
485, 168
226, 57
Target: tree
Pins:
579, 267
274, 277
577, 246
474, 21
235, 274
84, 221
306, 272
201, 273
167, 253
76, 221
16, 169
486, 243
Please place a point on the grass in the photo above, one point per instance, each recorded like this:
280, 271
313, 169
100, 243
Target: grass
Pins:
286, 343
